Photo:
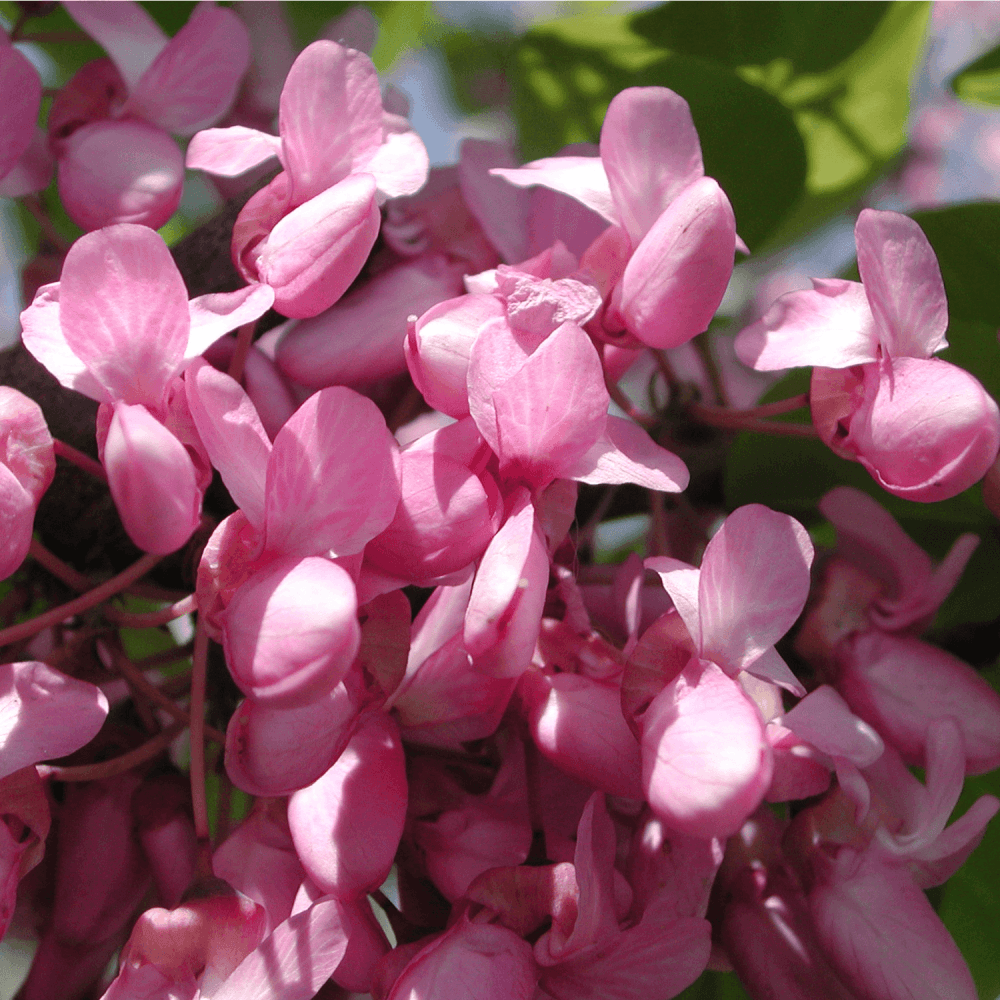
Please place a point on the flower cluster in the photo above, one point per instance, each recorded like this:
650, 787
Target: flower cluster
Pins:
580, 779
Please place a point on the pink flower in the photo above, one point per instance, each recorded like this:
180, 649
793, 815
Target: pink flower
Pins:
25, 165
308, 233
922, 427
119, 328
151, 88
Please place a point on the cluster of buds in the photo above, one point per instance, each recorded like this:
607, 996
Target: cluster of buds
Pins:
579, 781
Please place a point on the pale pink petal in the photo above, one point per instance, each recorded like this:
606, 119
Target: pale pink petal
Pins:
232, 435
32, 172
219, 312
581, 177
360, 339
347, 825
823, 719
100, 187
578, 724
901, 685
400, 164
682, 583
152, 480
17, 519
275, 751
799, 771
927, 430
22, 90
831, 325
935, 864
881, 934
651, 152
43, 336
625, 453
552, 410
124, 311
295, 960
903, 283
124, 30
677, 275
193, 80
44, 714
330, 118
229, 152
291, 632
754, 583
313, 253
438, 347
558, 217
540, 305
332, 483
706, 763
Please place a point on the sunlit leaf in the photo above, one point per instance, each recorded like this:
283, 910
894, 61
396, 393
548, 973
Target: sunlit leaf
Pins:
979, 82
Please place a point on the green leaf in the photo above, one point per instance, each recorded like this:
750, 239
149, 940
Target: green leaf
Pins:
715, 986
478, 65
812, 37
566, 73
966, 239
979, 82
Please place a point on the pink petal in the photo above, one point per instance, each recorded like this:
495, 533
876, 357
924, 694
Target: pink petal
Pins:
359, 339
347, 825
903, 283
22, 90
832, 325
682, 583
706, 763
193, 80
651, 152
927, 430
625, 453
125, 31
295, 960
754, 583
823, 719
28, 449
291, 633
152, 480
229, 152
581, 177
332, 483
17, 519
769, 666
232, 435
42, 335
217, 313
400, 165
540, 305
44, 714
32, 172
275, 751
315, 251
124, 311
880, 933
551, 411
677, 275
330, 118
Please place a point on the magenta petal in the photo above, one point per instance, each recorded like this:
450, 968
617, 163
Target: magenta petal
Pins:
44, 714
625, 453
313, 253
152, 480
831, 325
330, 118
125, 31
881, 934
332, 483
754, 583
193, 80
651, 152
927, 430
581, 177
291, 633
295, 960
22, 90
275, 751
33, 171
100, 187
229, 152
123, 309
231, 432
347, 825
706, 763
551, 411
677, 275
903, 283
